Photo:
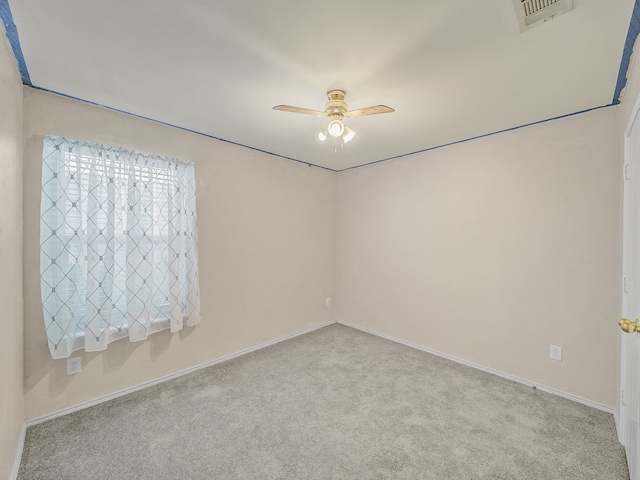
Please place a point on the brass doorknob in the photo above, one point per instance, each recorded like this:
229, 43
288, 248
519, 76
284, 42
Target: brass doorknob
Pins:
628, 326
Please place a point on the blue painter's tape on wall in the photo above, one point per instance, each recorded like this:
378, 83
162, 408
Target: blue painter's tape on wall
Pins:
632, 34
12, 36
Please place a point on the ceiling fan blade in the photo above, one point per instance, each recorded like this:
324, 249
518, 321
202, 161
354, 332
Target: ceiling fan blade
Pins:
375, 110
306, 111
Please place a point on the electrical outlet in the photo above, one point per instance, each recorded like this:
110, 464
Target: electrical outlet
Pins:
74, 365
328, 301
555, 352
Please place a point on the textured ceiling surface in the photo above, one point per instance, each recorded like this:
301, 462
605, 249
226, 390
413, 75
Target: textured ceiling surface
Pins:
452, 70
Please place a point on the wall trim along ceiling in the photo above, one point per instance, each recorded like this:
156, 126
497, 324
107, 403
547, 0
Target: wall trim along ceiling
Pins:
632, 34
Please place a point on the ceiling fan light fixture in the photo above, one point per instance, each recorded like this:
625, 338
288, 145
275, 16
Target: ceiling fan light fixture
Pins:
335, 128
348, 134
336, 109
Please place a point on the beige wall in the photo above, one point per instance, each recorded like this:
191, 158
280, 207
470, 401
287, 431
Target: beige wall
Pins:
493, 249
11, 372
488, 250
266, 230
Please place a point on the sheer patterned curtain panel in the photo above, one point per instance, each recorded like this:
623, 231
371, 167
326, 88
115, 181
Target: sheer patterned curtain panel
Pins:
118, 245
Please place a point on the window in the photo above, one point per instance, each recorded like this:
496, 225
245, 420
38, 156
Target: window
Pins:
118, 237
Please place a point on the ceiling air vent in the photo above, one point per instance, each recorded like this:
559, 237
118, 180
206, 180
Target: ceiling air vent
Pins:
534, 12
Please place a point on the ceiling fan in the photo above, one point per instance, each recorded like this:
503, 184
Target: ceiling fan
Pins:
336, 109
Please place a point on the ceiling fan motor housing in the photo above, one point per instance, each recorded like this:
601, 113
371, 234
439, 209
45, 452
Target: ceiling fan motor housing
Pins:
336, 106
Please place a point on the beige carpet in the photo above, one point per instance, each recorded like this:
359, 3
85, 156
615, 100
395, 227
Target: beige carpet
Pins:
333, 404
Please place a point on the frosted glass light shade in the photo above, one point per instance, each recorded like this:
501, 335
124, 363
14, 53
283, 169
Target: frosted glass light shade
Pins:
335, 128
348, 135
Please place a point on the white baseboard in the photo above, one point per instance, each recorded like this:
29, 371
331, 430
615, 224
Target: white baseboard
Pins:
50, 416
508, 376
105, 398
111, 396
18, 456
616, 421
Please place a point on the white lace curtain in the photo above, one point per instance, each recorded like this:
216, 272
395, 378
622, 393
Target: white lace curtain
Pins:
118, 245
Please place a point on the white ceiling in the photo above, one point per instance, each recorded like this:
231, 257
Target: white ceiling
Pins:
452, 69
